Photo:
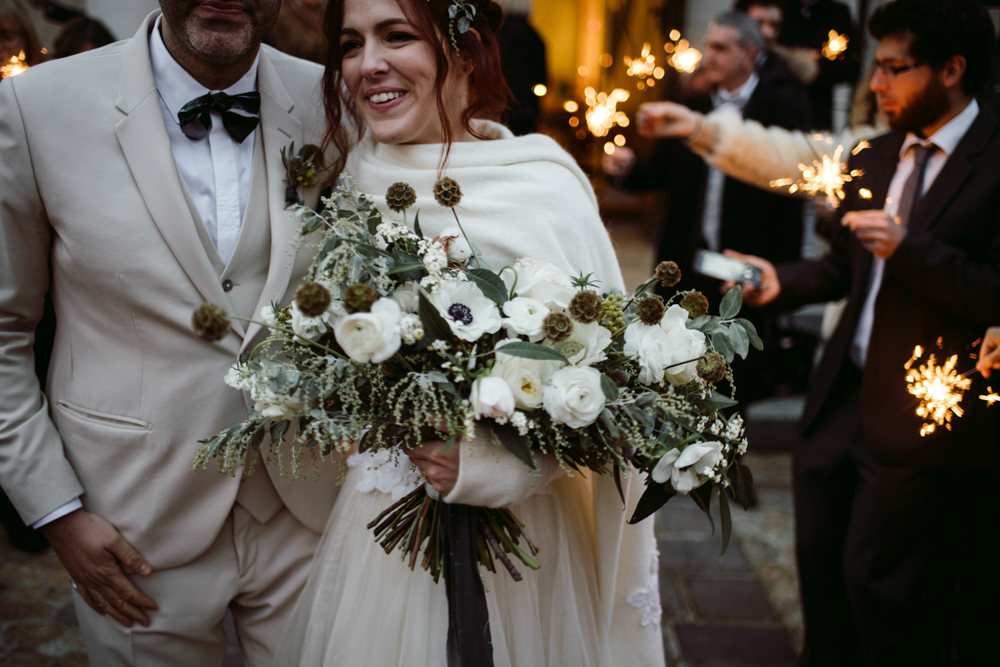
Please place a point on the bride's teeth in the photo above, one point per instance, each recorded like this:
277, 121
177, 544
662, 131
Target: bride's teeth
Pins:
382, 98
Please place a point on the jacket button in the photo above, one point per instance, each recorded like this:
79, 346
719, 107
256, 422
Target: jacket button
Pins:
227, 285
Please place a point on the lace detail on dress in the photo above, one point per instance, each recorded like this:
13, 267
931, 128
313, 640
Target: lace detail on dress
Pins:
648, 599
379, 472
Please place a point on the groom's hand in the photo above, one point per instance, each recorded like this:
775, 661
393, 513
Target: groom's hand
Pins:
94, 553
439, 468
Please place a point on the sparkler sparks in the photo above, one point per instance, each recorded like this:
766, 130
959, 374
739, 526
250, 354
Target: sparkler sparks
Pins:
827, 175
602, 112
684, 58
835, 46
990, 397
14, 67
939, 388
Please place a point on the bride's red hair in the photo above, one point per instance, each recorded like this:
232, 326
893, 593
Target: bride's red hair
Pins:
489, 95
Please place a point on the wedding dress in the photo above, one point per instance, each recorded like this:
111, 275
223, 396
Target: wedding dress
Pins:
594, 602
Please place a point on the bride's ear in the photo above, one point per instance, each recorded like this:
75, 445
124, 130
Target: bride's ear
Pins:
465, 63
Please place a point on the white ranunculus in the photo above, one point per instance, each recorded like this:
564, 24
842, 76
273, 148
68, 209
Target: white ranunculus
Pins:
525, 377
573, 396
491, 397
525, 317
407, 296
689, 468
651, 346
685, 343
307, 327
371, 337
593, 340
468, 311
541, 281
457, 247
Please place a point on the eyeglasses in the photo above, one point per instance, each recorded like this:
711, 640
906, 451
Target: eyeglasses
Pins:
892, 71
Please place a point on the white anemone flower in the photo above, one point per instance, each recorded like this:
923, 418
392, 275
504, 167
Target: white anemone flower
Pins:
689, 468
468, 311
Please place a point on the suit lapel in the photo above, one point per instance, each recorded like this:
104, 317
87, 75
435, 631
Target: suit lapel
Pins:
279, 129
956, 170
146, 145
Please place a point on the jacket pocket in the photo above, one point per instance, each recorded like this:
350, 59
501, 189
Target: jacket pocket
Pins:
104, 419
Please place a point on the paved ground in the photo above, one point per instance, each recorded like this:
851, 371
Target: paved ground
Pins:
738, 610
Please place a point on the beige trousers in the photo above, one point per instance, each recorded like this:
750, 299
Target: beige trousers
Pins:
255, 570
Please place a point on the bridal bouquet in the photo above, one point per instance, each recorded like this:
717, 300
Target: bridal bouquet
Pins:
396, 339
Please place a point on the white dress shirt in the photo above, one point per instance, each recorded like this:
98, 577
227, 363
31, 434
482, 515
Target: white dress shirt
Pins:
216, 170
711, 218
946, 139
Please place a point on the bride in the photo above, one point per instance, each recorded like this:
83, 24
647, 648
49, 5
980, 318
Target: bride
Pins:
424, 83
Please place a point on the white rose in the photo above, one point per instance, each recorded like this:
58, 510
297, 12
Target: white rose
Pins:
525, 317
407, 297
573, 396
541, 281
651, 346
457, 248
371, 337
307, 327
466, 309
491, 397
686, 344
525, 377
586, 345
688, 469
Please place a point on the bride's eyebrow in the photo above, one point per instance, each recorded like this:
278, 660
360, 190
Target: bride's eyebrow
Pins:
381, 25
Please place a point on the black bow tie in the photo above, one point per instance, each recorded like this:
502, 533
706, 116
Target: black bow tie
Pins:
239, 115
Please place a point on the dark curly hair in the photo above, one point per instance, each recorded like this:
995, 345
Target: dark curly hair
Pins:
489, 95
942, 29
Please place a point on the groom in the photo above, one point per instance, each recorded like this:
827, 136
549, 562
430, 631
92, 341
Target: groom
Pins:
133, 198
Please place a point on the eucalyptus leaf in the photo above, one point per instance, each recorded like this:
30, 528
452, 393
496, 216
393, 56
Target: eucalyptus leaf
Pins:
655, 497
609, 387
751, 332
704, 323
725, 518
490, 283
722, 345
731, 303
535, 351
403, 268
515, 443
618, 482
435, 326
738, 337
278, 430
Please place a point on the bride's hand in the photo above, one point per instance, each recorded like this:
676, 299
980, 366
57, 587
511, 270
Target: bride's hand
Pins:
439, 468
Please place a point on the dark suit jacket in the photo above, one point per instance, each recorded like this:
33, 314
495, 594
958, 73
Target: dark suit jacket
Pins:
943, 282
754, 221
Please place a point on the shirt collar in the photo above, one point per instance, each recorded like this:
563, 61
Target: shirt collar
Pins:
741, 95
176, 86
950, 134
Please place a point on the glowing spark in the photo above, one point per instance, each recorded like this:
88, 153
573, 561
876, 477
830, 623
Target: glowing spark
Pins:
14, 67
827, 176
865, 193
991, 397
939, 388
540, 90
571, 106
860, 147
835, 46
643, 66
602, 111
684, 58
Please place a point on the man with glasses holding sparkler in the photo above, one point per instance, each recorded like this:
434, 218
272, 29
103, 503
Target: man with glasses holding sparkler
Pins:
892, 567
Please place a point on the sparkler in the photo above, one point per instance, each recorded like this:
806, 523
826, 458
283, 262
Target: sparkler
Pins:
602, 111
990, 397
939, 389
827, 175
14, 67
683, 58
835, 46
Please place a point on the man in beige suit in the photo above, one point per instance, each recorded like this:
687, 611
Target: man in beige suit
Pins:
133, 214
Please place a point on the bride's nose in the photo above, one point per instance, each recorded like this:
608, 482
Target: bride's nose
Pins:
373, 62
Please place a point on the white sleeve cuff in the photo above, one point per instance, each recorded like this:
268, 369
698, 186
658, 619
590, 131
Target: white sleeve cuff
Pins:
490, 476
71, 506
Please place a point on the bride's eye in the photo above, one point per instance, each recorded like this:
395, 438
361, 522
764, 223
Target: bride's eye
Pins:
349, 47
400, 37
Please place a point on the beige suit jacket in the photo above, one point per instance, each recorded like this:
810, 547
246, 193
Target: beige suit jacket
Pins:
93, 206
